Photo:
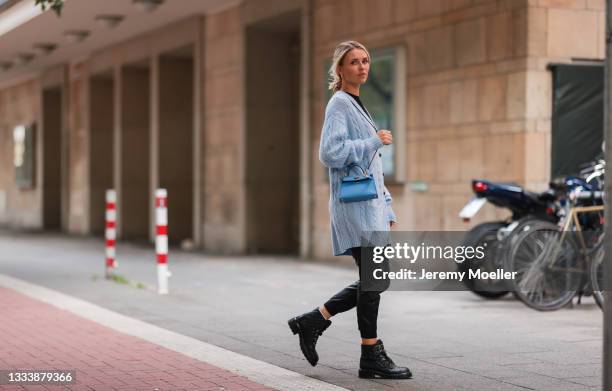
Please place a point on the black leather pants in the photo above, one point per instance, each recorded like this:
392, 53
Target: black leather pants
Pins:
353, 296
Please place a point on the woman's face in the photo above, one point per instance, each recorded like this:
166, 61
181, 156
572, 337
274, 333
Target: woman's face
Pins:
355, 67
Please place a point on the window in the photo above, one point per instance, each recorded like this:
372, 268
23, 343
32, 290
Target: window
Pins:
383, 96
23, 155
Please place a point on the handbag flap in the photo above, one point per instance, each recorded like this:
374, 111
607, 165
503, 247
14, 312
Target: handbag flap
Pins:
357, 178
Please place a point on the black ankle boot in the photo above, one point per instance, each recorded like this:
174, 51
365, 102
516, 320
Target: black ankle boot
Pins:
309, 326
374, 362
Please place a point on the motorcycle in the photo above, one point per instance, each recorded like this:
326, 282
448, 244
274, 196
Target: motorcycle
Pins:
524, 205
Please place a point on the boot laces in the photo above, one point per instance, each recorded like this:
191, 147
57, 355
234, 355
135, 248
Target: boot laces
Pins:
388, 362
318, 331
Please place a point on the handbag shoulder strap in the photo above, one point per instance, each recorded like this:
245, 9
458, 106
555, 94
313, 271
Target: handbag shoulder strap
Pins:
371, 122
373, 156
348, 168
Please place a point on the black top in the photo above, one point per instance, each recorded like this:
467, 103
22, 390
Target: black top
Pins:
356, 97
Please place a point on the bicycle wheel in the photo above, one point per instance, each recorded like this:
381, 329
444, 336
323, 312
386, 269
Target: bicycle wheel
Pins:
596, 274
522, 225
525, 224
548, 272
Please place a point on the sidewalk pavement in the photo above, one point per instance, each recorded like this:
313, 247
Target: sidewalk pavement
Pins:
42, 337
48, 331
450, 340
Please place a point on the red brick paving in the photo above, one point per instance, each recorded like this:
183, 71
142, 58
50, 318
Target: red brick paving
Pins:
36, 335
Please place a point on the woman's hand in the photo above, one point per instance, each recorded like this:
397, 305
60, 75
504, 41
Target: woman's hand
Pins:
385, 136
392, 224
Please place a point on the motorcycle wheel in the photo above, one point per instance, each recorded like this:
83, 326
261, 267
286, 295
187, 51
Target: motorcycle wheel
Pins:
484, 234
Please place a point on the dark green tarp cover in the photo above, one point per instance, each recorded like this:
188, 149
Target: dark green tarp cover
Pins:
577, 121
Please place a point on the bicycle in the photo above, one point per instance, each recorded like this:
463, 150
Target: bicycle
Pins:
551, 266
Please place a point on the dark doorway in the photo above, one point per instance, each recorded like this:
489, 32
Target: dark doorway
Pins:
52, 158
102, 117
176, 100
134, 192
272, 134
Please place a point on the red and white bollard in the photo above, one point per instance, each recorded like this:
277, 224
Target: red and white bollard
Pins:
110, 232
161, 240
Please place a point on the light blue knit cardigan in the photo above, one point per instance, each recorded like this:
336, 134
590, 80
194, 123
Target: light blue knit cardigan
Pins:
349, 136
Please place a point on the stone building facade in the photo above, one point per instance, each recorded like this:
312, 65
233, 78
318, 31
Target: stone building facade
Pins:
208, 94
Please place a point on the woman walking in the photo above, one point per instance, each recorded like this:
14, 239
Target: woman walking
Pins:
349, 136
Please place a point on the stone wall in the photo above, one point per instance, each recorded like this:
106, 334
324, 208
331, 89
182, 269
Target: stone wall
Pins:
558, 31
478, 95
477, 105
78, 149
222, 137
20, 105
465, 99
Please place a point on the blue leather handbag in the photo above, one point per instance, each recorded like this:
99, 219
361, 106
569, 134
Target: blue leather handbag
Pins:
358, 187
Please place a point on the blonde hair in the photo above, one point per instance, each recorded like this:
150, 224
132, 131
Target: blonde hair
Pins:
335, 81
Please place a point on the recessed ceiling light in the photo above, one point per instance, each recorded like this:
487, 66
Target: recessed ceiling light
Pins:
44, 48
24, 58
109, 21
147, 5
75, 36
